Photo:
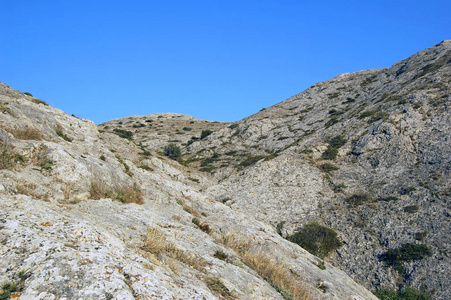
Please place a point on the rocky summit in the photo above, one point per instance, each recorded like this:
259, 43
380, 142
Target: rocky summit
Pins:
340, 192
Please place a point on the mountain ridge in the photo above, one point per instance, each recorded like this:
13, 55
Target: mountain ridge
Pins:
364, 154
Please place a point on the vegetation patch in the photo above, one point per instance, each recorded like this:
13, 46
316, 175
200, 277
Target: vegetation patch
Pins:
172, 151
406, 253
251, 160
127, 168
145, 167
335, 143
123, 133
404, 294
59, 131
359, 199
202, 226
273, 271
316, 239
216, 286
411, 209
132, 194
9, 158
328, 167
205, 133
219, 254
27, 134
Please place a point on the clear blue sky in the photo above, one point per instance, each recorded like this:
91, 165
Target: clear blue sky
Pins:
215, 60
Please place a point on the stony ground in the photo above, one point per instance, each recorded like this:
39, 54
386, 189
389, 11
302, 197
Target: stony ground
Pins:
366, 154
92, 215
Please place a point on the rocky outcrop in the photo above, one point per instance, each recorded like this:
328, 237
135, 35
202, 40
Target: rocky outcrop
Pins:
366, 154
71, 226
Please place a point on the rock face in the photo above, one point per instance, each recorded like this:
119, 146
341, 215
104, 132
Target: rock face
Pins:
89, 215
366, 154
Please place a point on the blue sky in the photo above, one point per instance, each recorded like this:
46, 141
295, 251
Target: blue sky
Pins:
214, 60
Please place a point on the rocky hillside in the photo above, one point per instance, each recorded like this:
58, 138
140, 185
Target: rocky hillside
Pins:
366, 154
94, 215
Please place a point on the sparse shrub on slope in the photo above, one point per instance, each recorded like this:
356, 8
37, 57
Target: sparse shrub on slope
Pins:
123, 133
405, 294
205, 133
172, 151
335, 143
317, 239
406, 253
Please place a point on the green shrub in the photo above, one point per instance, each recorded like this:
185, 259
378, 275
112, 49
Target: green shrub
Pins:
127, 168
406, 253
172, 151
405, 294
327, 167
317, 239
205, 133
366, 114
144, 167
330, 153
219, 254
251, 160
233, 126
337, 141
123, 133
419, 236
411, 209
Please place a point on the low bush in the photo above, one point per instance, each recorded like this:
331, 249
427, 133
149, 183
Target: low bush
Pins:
205, 133
327, 167
405, 294
406, 253
316, 239
411, 209
335, 143
123, 133
172, 151
251, 160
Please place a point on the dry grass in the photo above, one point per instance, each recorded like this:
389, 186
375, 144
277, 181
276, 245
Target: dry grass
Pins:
156, 243
191, 210
216, 286
30, 189
27, 134
132, 194
275, 272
